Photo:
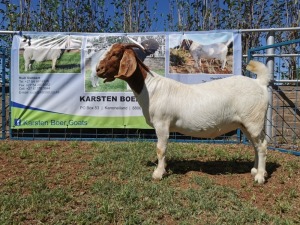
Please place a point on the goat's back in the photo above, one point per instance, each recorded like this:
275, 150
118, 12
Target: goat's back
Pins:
42, 54
209, 106
216, 50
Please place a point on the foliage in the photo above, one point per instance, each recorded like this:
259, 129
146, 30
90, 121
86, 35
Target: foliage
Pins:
147, 16
141, 16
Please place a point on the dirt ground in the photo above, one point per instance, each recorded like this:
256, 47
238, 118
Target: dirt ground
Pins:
208, 66
281, 192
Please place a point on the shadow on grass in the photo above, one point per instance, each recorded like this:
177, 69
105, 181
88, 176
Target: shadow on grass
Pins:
214, 167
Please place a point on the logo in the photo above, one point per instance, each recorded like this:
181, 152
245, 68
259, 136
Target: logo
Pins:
17, 122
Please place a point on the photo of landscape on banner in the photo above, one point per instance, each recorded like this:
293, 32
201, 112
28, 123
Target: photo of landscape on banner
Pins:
54, 82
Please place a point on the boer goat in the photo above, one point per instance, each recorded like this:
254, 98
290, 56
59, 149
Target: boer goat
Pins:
150, 46
204, 110
41, 53
212, 51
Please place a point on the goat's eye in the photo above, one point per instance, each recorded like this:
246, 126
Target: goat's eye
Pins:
113, 57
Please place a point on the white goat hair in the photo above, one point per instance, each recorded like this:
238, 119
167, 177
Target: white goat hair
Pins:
212, 51
204, 110
94, 61
40, 55
51, 50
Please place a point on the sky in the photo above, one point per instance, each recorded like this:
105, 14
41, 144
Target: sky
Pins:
162, 7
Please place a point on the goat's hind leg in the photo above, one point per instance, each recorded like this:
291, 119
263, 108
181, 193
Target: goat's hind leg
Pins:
162, 136
260, 145
260, 148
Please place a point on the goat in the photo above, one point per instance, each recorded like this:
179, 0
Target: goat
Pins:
204, 110
41, 53
94, 61
150, 47
212, 51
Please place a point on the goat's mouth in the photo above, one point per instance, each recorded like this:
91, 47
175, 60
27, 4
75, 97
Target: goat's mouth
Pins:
105, 77
109, 79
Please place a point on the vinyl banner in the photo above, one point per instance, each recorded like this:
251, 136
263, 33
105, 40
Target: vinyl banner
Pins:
54, 82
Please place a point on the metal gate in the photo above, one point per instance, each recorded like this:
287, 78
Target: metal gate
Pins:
4, 93
283, 116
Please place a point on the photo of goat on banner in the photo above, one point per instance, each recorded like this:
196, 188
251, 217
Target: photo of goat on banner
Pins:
207, 53
50, 54
153, 56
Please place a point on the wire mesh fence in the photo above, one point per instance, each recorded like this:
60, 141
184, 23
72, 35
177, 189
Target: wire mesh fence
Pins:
283, 122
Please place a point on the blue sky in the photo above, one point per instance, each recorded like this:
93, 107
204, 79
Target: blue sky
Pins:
162, 9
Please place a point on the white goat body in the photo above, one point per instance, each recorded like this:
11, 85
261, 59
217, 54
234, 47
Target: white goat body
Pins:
40, 55
212, 51
40, 50
204, 110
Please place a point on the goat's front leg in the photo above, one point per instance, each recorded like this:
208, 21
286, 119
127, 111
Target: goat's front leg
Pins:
54, 63
223, 64
162, 141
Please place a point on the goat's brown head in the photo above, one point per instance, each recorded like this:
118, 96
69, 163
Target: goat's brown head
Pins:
186, 44
119, 61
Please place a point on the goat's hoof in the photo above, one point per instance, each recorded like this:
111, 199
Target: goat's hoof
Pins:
158, 175
259, 179
253, 171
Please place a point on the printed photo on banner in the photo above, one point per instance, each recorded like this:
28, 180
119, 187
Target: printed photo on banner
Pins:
40, 54
202, 53
153, 56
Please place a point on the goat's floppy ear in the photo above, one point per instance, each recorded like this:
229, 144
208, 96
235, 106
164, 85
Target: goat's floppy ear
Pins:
128, 64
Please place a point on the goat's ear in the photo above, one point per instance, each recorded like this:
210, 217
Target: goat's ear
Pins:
128, 64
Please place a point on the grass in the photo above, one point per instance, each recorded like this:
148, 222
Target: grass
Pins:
115, 86
110, 183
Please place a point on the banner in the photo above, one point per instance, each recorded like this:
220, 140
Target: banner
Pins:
54, 82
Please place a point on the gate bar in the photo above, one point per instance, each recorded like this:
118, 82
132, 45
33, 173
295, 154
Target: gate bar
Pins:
2, 55
270, 65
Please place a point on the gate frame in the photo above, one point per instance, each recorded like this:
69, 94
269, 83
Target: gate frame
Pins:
3, 92
270, 64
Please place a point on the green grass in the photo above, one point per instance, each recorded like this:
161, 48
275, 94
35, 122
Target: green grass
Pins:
115, 86
110, 183
69, 62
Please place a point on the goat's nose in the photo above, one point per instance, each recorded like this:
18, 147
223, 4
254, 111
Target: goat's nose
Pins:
99, 68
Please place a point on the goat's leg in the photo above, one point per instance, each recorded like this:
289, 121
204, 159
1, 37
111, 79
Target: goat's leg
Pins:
260, 148
94, 80
27, 65
54, 63
162, 136
197, 60
260, 145
97, 81
223, 64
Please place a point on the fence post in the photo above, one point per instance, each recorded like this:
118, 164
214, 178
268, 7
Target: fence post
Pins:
270, 65
2, 58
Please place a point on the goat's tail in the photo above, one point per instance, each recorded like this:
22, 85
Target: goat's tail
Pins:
262, 72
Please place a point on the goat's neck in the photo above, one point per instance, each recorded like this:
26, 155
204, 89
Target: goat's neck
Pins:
137, 80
